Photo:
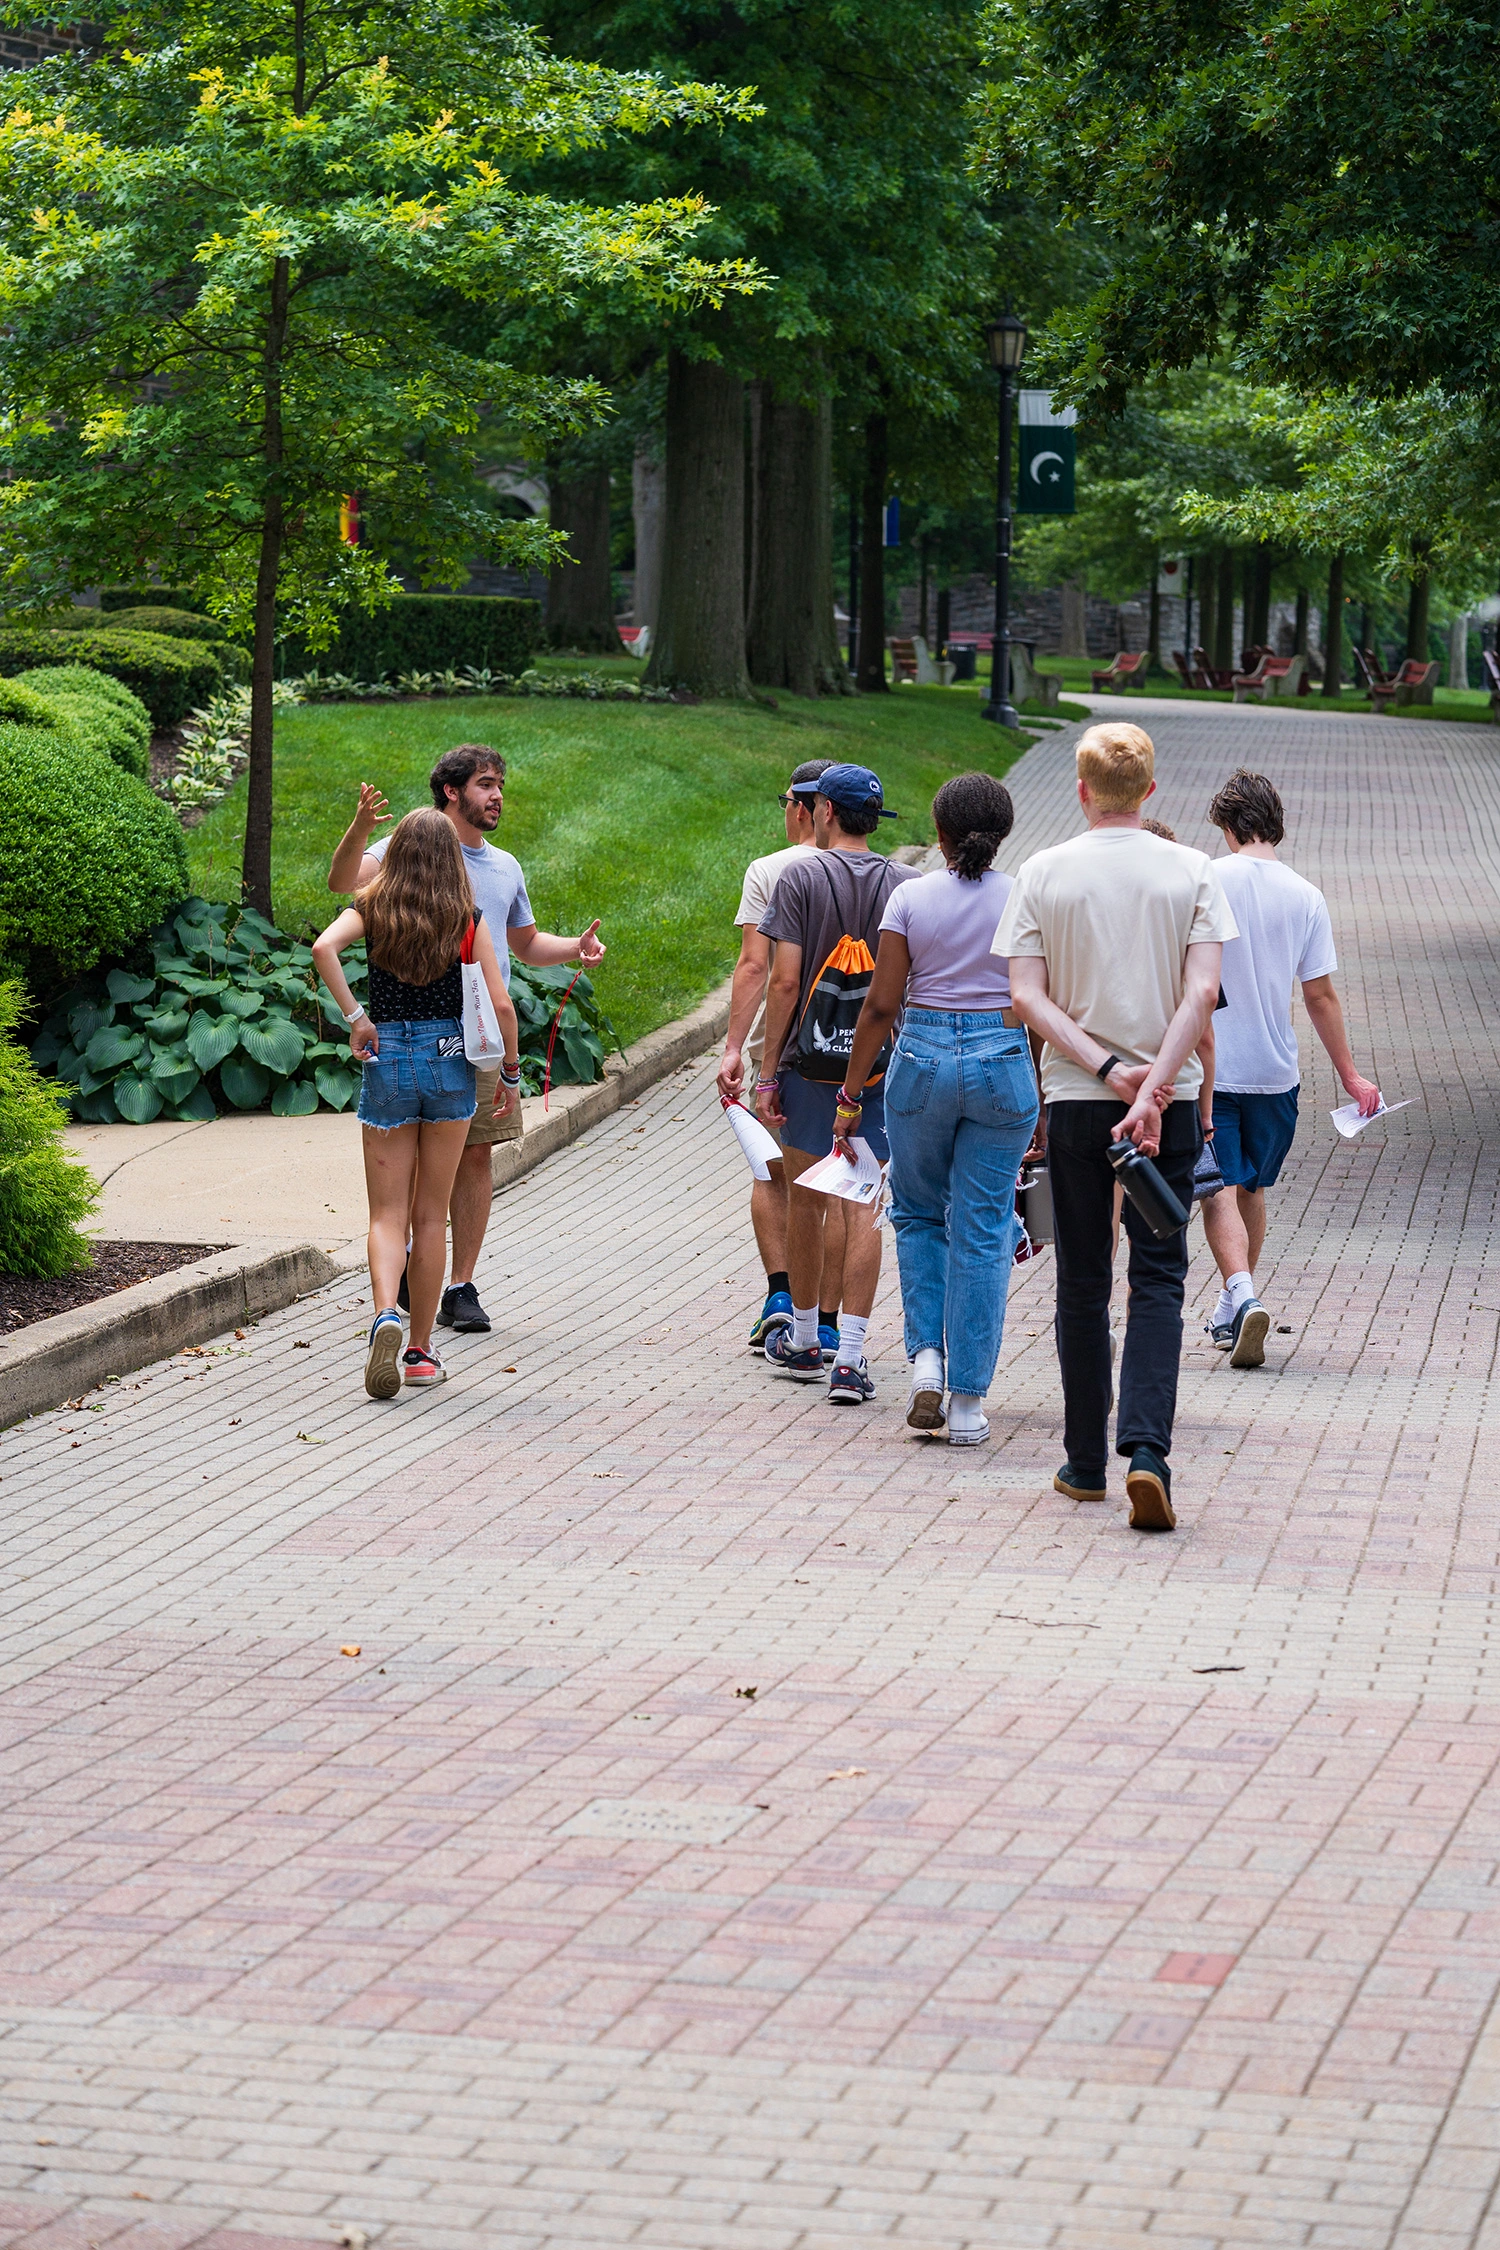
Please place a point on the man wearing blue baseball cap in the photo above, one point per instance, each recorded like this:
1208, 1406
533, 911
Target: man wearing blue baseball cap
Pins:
824, 919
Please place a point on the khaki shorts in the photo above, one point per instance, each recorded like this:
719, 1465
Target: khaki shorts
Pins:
486, 1128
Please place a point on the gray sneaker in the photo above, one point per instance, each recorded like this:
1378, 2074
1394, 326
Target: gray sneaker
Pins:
1219, 1333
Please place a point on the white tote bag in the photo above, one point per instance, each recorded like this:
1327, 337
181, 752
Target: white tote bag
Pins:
482, 1041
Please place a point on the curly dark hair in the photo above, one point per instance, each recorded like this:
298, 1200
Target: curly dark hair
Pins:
974, 812
1249, 807
457, 767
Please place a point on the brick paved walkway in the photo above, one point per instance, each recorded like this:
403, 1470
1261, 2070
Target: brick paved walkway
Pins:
997, 1917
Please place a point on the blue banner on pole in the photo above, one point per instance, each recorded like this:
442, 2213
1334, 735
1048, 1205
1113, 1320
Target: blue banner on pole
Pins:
893, 520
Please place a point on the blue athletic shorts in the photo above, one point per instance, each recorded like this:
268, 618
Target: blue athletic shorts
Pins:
421, 1076
809, 1105
1252, 1134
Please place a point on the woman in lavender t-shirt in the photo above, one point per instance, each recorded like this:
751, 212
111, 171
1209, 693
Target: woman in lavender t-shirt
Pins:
960, 1106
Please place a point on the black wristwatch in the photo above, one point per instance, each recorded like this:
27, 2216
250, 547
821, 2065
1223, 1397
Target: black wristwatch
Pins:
1106, 1067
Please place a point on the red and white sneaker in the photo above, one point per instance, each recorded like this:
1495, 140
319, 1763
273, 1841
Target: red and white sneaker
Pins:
418, 1366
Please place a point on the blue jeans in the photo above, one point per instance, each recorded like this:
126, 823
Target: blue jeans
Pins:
960, 1105
420, 1076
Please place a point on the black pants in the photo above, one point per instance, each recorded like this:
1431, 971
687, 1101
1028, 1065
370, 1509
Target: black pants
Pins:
1083, 1216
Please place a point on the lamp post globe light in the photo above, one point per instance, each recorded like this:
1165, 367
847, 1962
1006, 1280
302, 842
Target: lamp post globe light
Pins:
1007, 341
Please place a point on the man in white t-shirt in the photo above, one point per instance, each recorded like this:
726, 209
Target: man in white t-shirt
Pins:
743, 1045
1114, 941
468, 785
1285, 939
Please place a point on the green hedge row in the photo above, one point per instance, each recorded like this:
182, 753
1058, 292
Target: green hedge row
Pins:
102, 712
149, 597
89, 858
171, 677
429, 633
177, 624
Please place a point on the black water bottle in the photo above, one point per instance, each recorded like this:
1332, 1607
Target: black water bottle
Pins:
1147, 1190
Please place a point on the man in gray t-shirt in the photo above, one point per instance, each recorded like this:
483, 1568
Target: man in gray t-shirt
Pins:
468, 785
838, 890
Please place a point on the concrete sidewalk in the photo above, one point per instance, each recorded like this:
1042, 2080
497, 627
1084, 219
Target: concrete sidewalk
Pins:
1056, 1886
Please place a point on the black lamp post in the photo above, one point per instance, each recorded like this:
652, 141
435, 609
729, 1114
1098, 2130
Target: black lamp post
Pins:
1007, 342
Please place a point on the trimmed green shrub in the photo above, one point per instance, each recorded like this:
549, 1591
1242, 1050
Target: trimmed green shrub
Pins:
22, 706
43, 1192
177, 624
228, 1012
430, 633
102, 712
88, 862
115, 598
170, 677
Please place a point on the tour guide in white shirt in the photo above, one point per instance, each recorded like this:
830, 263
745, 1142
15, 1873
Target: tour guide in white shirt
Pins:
1115, 941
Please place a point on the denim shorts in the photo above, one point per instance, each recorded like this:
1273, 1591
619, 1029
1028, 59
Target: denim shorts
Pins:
421, 1076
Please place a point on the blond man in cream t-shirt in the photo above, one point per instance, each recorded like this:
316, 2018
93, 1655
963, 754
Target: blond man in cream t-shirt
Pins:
743, 1045
1115, 941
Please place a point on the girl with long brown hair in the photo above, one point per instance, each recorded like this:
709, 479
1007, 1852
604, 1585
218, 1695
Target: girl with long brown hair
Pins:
418, 1092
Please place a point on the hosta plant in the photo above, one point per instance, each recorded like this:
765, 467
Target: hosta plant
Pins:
223, 1011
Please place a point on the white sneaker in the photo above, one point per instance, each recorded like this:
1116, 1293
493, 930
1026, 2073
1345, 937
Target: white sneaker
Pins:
924, 1407
966, 1422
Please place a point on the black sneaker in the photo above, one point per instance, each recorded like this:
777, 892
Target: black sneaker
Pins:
1148, 1486
462, 1311
851, 1386
1078, 1484
403, 1296
1247, 1338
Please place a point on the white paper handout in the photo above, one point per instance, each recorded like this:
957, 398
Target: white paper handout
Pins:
857, 1183
1349, 1122
762, 1149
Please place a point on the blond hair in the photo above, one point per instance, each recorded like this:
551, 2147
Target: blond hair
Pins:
1119, 765
418, 907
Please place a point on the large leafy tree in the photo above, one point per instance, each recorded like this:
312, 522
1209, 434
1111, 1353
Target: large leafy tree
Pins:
235, 255
1321, 185
853, 193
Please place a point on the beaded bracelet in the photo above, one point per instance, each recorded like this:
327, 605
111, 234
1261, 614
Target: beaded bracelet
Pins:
510, 1077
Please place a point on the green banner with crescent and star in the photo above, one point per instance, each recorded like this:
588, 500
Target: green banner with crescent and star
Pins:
1049, 454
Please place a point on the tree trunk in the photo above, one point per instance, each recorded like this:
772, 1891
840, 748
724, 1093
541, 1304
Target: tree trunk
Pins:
756, 394
1458, 652
791, 642
1259, 628
1417, 607
580, 602
871, 677
944, 619
255, 871
646, 482
1075, 619
1208, 606
700, 640
1333, 628
1223, 648
1153, 630
922, 547
1299, 628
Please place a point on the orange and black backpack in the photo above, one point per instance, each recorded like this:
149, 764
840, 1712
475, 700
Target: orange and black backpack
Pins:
825, 1029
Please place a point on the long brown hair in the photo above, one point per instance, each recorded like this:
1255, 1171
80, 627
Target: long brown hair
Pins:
419, 905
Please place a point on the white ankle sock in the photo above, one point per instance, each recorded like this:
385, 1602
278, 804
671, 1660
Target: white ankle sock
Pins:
965, 1411
1239, 1289
852, 1332
804, 1327
927, 1369
1224, 1309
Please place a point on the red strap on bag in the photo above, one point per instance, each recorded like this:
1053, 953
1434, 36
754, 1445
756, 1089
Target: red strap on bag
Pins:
466, 950
552, 1042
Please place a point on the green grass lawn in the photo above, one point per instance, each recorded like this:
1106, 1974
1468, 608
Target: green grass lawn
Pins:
644, 814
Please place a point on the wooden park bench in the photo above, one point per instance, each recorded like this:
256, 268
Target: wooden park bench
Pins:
1127, 670
1210, 675
1191, 675
912, 660
1371, 673
1274, 679
1412, 682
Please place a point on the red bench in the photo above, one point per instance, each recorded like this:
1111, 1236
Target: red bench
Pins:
1273, 678
1127, 670
1412, 682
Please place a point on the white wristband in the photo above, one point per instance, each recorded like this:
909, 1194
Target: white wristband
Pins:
351, 1018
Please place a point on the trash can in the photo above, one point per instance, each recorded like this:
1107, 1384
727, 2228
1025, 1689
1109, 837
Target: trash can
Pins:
965, 662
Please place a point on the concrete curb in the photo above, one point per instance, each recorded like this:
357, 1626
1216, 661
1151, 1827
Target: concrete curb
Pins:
53, 1360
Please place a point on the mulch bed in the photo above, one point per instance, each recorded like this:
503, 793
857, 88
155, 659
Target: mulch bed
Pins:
116, 1265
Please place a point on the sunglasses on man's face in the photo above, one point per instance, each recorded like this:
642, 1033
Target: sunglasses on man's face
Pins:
795, 797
